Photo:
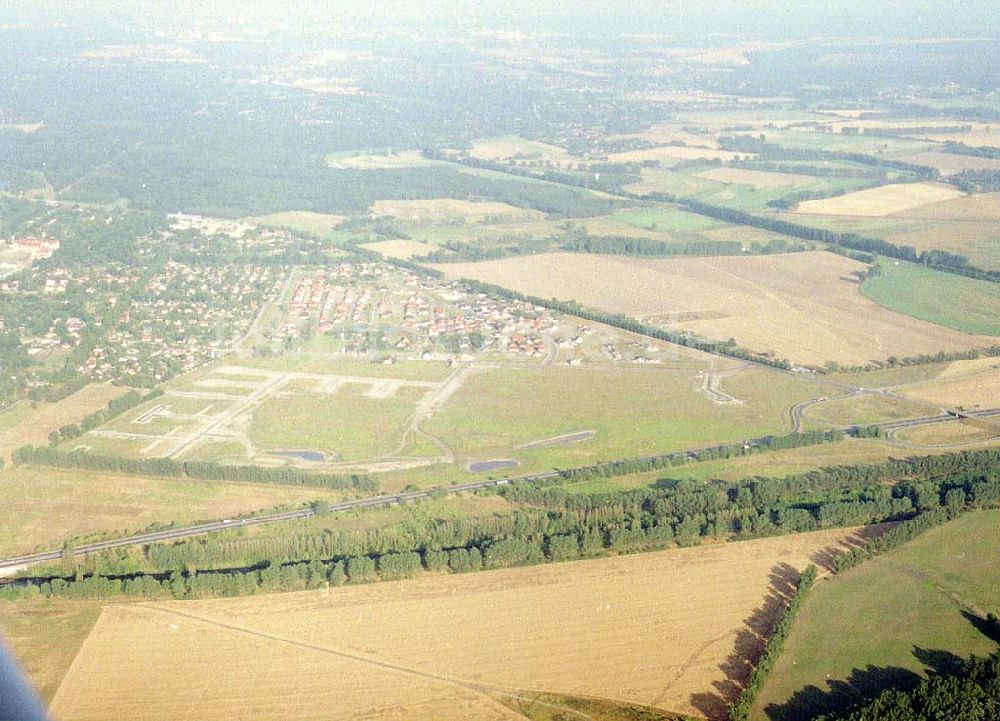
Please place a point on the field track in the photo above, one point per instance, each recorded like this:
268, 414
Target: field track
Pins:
670, 629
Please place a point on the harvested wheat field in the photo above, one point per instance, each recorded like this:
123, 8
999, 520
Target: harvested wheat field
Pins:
974, 390
672, 154
49, 417
951, 163
802, 306
442, 210
669, 629
404, 248
883, 200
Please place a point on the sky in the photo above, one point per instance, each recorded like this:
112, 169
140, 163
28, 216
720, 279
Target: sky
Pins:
766, 19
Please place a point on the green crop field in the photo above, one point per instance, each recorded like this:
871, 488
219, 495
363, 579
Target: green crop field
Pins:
888, 618
747, 197
666, 219
965, 304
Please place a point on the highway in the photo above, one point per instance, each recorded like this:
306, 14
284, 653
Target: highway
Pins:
928, 420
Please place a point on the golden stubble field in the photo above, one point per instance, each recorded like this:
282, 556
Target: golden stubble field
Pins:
882, 200
670, 629
802, 306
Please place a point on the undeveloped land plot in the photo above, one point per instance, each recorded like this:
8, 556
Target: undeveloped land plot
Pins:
801, 306
883, 200
664, 629
36, 428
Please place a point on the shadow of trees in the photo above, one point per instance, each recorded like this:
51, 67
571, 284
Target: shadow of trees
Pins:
749, 644
865, 684
825, 558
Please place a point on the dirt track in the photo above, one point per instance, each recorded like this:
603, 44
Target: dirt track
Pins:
669, 629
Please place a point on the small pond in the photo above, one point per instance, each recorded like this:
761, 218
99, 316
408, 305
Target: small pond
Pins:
313, 456
480, 466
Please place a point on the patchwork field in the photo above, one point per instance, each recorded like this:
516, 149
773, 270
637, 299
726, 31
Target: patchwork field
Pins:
887, 619
880, 201
669, 155
965, 304
368, 161
666, 219
42, 507
757, 178
659, 180
513, 147
443, 210
442, 646
950, 163
801, 306
969, 226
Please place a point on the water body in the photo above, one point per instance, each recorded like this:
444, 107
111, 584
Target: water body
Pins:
313, 456
480, 466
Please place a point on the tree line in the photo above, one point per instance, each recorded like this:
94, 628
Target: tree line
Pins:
199, 470
939, 260
551, 524
976, 151
740, 709
977, 181
772, 151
